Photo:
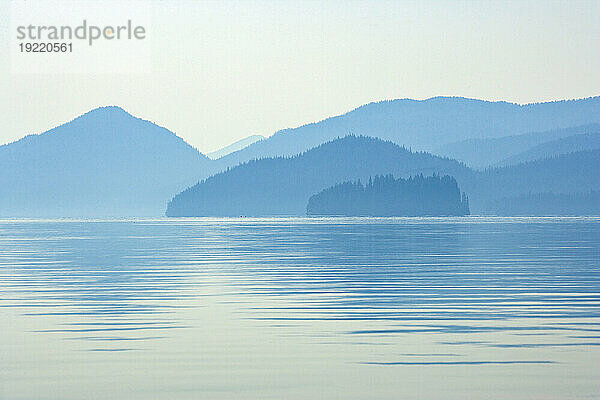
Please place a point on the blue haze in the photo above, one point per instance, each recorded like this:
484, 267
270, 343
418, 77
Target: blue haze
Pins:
283, 186
569, 144
109, 163
481, 153
427, 124
103, 163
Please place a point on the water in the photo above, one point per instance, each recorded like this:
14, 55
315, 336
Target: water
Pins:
503, 308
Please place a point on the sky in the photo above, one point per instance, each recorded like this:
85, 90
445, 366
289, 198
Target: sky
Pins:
216, 72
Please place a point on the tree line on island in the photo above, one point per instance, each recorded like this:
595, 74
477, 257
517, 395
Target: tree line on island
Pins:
386, 196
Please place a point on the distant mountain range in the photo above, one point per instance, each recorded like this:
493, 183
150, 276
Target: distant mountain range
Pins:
103, 163
235, 146
569, 144
481, 153
110, 163
426, 124
563, 174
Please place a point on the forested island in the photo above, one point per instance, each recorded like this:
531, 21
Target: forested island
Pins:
283, 185
386, 196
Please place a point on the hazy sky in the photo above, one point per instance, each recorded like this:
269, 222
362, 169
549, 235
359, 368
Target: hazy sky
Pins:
225, 70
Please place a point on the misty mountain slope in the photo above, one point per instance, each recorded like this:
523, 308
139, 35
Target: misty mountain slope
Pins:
282, 186
481, 153
570, 144
565, 174
586, 203
426, 124
235, 146
103, 163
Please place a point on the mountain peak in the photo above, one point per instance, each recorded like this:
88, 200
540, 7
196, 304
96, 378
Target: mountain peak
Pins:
106, 112
107, 109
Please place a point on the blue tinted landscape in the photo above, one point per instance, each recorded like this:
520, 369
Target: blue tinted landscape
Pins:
540, 159
444, 248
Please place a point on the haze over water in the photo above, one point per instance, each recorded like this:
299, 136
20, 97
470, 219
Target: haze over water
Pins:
298, 308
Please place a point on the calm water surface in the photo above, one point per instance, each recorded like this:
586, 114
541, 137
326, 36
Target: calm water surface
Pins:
293, 308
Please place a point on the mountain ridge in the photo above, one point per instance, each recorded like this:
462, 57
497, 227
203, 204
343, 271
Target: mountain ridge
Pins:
282, 185
426, 124
235, 146
564, 145
109, 162
104, 162
484, 152
568, 173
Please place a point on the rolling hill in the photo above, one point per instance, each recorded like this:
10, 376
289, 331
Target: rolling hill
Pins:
283, 185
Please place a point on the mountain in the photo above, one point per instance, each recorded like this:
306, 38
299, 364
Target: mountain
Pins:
385, 196
283, 185
570, 144
109, 163
481, 153
235, 146
103, 163
564, 174
426, 124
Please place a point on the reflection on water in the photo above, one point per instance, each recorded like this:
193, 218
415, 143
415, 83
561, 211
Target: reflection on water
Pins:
300, 308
